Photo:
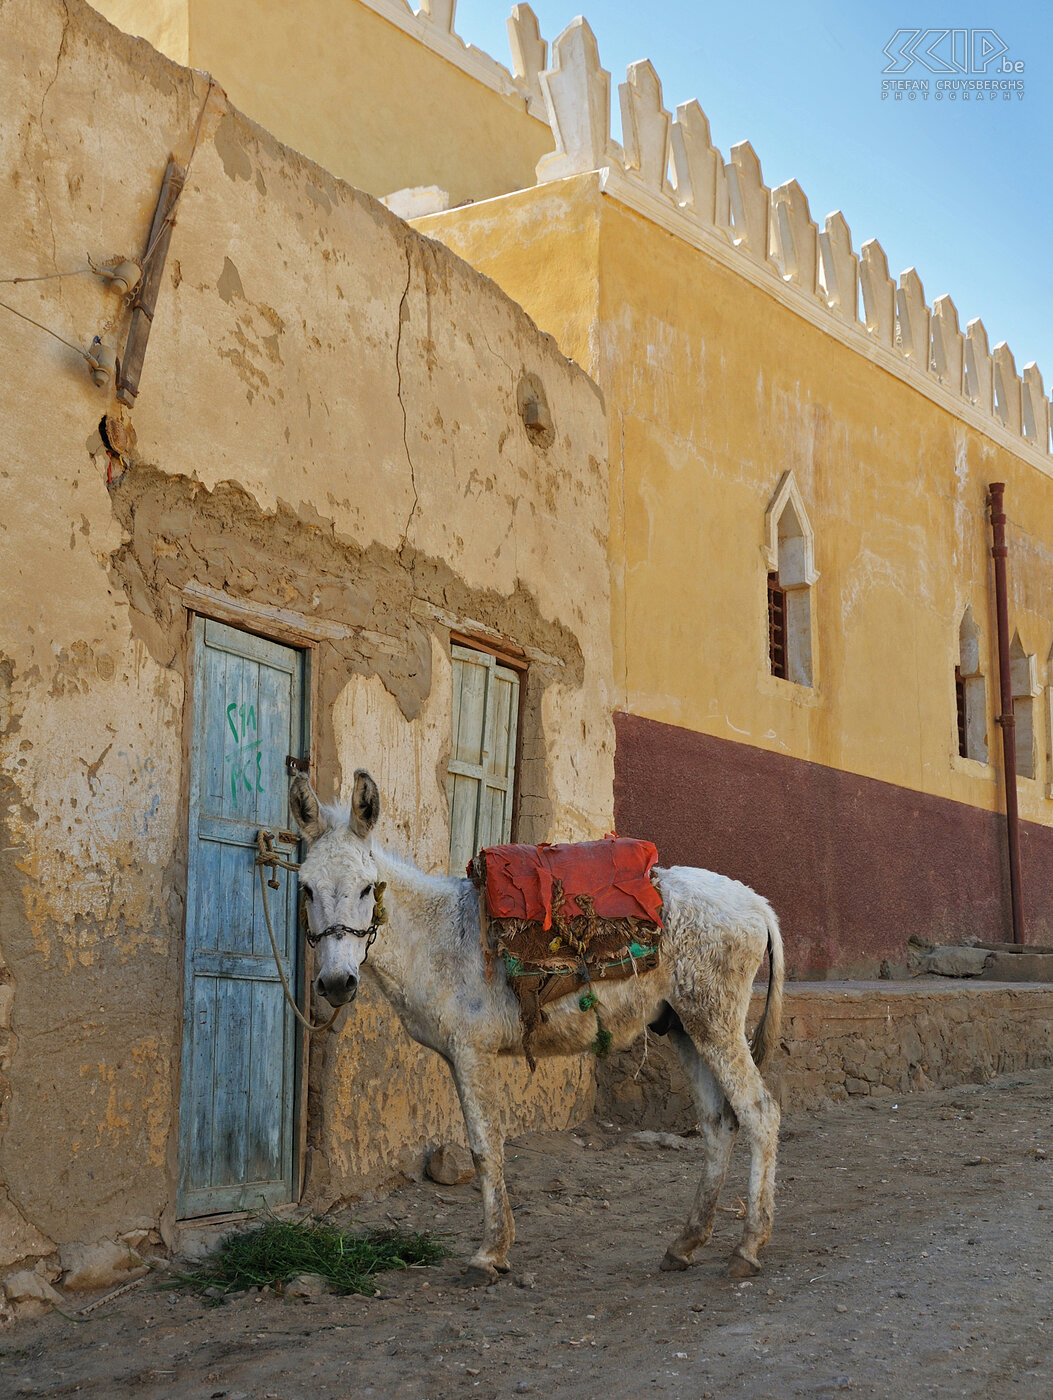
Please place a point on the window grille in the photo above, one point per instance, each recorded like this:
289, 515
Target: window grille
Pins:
777, 627
959, 696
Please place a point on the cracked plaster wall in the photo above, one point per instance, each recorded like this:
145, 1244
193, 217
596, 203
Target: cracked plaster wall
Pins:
327, 428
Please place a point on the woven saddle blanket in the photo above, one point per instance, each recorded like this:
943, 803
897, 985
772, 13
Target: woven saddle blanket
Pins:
562, 917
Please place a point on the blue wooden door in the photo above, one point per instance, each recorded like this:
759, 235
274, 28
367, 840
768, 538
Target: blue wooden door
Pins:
237, 1114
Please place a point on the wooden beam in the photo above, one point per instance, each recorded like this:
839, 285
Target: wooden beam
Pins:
146, 295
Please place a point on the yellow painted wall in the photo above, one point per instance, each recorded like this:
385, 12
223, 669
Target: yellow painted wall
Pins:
321, 76
713, 390
542, 247
163, 23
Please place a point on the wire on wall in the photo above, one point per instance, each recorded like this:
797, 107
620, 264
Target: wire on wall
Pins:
124, 271
47, 330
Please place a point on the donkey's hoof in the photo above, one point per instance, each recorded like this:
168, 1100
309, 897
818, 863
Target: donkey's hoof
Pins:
502, 1266
674, 1263
480, 1275
741, 1267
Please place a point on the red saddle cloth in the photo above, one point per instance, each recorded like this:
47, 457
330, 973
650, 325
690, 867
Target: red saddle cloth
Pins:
614, 873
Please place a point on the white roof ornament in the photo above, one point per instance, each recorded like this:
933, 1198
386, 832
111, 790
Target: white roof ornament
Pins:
701, 180
750, 201
645, 126
979, 371
795, 238
879, 292
441, 13
1007, 405
839, 267
529, 50
577, 93
912, 316
948, 344
1036, 408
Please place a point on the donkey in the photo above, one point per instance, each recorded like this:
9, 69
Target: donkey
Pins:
428, 962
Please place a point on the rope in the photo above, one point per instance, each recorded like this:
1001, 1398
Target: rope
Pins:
169, 218
267, 856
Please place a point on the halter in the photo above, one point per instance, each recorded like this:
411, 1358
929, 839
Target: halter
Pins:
268, 857
380, 916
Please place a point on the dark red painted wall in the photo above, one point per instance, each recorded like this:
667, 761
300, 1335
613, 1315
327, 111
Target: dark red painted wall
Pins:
852, 866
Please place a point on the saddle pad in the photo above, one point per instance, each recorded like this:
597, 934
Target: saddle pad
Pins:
614, 874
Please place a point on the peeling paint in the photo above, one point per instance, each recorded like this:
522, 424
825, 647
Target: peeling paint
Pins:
229, 147
322, 462
229, 284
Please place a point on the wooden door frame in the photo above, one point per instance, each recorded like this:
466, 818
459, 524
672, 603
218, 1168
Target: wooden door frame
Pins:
260, 621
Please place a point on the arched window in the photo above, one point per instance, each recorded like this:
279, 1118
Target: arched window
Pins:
1022, 674
970, 692
789, 556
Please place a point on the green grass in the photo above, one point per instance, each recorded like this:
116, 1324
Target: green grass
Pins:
279, 1250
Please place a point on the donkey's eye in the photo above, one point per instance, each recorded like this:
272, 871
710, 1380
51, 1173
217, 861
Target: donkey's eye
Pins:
308, 893
365, 891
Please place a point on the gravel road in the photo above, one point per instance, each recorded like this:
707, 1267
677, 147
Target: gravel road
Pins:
912, 1257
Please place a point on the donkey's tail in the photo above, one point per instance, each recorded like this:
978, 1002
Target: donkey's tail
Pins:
766, 1036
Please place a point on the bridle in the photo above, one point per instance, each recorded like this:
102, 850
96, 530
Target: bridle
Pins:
380, 916
268, 857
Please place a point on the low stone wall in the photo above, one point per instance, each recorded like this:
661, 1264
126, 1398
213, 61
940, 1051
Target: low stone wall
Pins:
841, 1040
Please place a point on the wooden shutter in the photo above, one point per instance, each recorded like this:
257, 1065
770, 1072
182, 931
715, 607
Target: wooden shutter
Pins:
481, 775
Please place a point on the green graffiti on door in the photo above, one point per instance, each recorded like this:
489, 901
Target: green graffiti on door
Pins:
246, 762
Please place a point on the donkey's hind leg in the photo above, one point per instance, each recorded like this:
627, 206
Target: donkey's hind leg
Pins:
758, 1114
722, 1043
717, 1126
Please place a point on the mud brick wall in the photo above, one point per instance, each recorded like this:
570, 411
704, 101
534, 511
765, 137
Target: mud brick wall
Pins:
326, 449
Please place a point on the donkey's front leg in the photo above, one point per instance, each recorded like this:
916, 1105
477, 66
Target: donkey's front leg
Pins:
475, 1079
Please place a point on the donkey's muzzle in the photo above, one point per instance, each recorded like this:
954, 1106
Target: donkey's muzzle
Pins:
339, 988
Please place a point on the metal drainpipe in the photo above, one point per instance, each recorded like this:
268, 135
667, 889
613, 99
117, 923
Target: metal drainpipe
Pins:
1006, 719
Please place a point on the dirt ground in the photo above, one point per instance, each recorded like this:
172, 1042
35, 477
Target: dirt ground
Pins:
912, 1257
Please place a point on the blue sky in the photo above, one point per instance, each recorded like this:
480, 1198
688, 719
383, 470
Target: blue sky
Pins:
963, 191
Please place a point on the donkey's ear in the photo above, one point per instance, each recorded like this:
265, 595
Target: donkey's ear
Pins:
305, 808
365, 804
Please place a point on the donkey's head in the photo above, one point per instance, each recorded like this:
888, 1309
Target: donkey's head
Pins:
339, 882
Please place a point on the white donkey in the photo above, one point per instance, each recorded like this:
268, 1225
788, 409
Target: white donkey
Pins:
428, 963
